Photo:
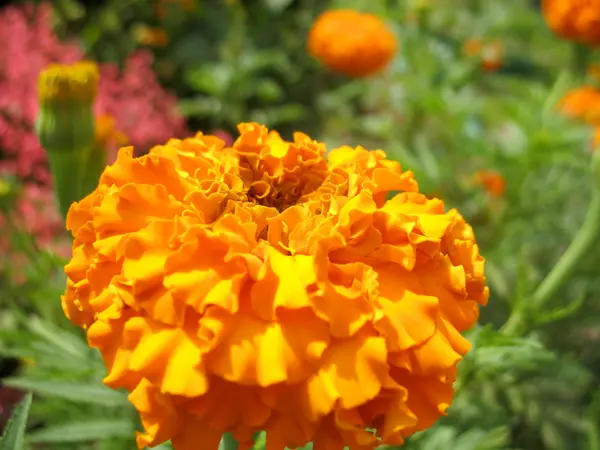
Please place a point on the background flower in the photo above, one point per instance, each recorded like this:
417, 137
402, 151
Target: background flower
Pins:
578, 20
350, 42
582, 103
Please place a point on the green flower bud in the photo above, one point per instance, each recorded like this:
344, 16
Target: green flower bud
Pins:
65, 125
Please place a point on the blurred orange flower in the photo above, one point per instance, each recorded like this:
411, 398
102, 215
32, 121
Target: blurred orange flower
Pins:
491, 54
107, 134
150, 37
577, 20
352, 43
492, 181
582, 103
264, 287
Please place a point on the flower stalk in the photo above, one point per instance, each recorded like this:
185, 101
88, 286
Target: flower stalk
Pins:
579, 58
586, 238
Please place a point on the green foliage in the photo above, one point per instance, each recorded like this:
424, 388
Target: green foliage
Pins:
529, 387
14, 435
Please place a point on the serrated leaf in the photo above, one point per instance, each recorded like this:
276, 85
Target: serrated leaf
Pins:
83, 431
67, 342
75, 392
14, 434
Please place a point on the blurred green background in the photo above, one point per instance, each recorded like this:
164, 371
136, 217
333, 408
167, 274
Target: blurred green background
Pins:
437, 109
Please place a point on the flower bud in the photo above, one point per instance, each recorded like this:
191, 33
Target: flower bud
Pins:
66, 95
65, 125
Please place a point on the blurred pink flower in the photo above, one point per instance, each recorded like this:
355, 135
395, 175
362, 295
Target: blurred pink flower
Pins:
28, 46
142, 109
35, 214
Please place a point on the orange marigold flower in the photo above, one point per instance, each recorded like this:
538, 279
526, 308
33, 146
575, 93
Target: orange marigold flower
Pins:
492, 181
491, 54
577, 20
582, 103
352, 43
264, 287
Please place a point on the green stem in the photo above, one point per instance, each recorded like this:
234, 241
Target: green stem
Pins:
580, 57
94, 166
584, 240
581, 245
67, 178
228, 442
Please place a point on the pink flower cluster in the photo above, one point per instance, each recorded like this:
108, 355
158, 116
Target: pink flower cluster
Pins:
142, 109
28, 46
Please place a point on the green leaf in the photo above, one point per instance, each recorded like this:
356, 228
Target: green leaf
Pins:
495, 439
199, 106
14, 434
277, 5
260, 441
213, 79
72, 391
63, 340
278, 115
268, 91
71, 9
83, 431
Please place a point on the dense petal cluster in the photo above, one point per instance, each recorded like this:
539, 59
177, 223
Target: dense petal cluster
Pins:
577, 20
69, 82
264, 287
352, 43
